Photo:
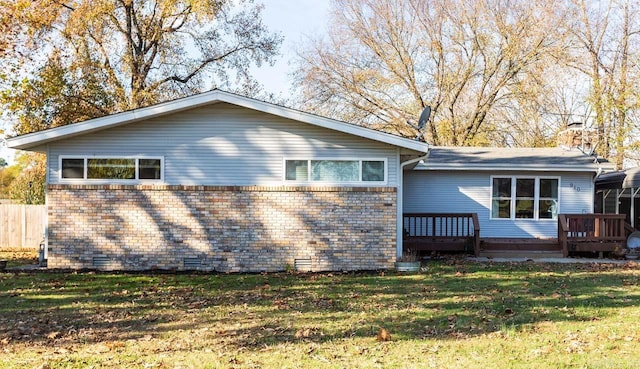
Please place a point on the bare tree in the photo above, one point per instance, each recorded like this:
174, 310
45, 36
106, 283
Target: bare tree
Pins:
607, 36
384, 61
542, 104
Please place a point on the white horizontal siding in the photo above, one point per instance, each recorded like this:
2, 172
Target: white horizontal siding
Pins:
223, 144
470, 192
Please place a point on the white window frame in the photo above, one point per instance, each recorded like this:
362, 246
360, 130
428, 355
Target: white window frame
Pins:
359, 182
536, 201
86, 158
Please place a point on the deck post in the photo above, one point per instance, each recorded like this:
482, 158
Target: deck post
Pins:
633, 206
562, 235
476, 234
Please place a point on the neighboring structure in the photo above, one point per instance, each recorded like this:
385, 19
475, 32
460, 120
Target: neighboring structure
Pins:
222, 182
617, 193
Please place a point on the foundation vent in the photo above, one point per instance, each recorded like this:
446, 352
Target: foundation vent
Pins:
302, 265
192, 263
101, 261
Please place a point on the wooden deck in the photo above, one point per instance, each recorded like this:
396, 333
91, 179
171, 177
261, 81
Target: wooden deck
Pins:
592, 232
460, 232
442, 232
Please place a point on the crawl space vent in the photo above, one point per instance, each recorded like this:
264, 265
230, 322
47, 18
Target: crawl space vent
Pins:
101, 261
192, 263
302, 265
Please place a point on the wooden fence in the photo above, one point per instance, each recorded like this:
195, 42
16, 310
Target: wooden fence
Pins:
22, 225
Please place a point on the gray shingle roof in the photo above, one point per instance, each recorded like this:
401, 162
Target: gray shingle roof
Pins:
500, 158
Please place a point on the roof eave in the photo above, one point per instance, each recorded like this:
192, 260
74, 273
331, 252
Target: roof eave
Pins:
508, 167
38, 138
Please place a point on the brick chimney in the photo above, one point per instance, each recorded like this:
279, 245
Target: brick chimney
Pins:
576, 135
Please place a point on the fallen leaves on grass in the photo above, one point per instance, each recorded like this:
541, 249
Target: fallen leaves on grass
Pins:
99, 349
573, 343
54, 335
383, 335
19, 256
241, 314
308, 333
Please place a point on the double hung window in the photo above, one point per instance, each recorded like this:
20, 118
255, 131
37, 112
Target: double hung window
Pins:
524, 198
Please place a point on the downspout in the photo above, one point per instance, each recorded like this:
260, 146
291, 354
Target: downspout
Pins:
46, 203
593, 191
599, 171
399, 216
632, 215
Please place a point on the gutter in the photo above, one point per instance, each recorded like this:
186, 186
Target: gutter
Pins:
400, 206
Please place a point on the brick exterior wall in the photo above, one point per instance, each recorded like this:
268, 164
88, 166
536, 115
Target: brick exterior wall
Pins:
226, 229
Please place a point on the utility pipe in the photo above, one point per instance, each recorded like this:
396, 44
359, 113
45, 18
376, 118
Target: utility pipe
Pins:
400, 212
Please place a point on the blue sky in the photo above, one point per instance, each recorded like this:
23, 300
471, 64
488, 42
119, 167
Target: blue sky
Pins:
295, 20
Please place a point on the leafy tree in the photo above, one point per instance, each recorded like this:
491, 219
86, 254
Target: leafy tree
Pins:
53, 98
66, 61
7, 174
28, 186
86, 58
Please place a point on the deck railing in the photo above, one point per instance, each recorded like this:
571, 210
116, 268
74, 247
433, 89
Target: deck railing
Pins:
425, 228
590, 232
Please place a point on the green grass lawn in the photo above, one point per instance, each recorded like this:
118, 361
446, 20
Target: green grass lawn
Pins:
453, 315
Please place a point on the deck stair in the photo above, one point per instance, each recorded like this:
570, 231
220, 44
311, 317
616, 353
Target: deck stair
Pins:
520, 248
519, 254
